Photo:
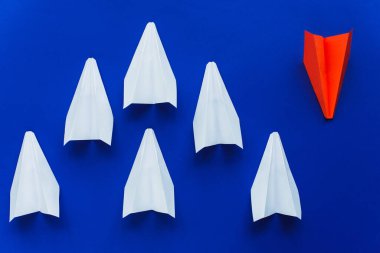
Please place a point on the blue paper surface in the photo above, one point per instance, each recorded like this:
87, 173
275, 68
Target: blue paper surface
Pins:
258, 46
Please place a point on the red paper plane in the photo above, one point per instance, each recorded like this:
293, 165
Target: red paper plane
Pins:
326, 60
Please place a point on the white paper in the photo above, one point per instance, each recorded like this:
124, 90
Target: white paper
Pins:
149, 186
34, 187
150, 79
90, 115
274, 189
215, 120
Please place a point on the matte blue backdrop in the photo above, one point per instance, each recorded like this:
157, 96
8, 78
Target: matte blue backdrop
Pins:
258, 46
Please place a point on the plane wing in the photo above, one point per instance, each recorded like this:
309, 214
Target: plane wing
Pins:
326, 60
90, 115
149, 185
215, 120
34, 187
150, 79
274, 189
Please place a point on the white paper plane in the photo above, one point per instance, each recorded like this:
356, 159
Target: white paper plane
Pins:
274, 189
34, 187
90, 115
215, 120
150, 79
149, 186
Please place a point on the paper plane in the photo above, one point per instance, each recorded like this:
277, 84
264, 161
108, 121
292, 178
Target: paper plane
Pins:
274, 189
34, 187
150, 79
215, 120
90, 115
326, 60
149, 186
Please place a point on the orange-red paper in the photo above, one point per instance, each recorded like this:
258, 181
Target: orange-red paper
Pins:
326, 60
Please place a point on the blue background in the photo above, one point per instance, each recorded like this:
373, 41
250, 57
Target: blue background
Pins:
258, 46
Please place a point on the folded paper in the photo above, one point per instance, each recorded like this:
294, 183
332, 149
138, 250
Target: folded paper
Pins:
215, 120
326, 60
150, 79
274, 189
90, 115
34, 187
149, 186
